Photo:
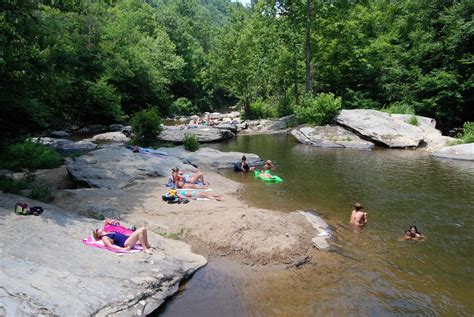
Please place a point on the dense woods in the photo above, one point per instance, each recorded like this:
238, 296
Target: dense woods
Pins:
86, 62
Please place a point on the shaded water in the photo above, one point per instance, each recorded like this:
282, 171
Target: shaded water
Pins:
377, 274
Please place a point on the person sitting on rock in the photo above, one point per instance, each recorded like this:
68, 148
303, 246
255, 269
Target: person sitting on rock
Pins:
122, 241
195, 194
358, 217
195, 180
242, 166
413, 234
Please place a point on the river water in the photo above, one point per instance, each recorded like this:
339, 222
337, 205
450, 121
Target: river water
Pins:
373, 272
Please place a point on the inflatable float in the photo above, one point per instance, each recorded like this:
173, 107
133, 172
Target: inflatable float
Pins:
272, 179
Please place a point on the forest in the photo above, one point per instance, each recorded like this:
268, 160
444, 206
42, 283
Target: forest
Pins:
79, 63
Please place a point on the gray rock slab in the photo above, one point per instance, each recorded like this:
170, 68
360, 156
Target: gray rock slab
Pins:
330, 136
267, 126
66, 146
381, 128
118, 167
211, 158
47, 270
60, 134
110, 137
203, 133
457, 152
322, 230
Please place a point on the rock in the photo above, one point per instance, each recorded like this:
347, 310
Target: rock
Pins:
66, 146
204, 134
457, 152
60, 134
110, 137
227, 126
95, 129
212, 158
323, 232
266, 126
53, 273
118, 167
381, 128
432, 138
115, 127
330, 136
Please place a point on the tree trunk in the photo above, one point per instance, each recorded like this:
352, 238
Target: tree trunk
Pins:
308, 47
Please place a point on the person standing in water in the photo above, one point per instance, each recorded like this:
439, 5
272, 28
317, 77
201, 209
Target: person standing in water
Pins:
358, 216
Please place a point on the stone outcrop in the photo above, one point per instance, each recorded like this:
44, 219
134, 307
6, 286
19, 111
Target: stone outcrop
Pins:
66, 146
110, 137
330, 136
266, 126
457, 152
118, 167
204, 134
381, 128
47, 270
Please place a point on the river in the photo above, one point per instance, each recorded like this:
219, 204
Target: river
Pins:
372, 271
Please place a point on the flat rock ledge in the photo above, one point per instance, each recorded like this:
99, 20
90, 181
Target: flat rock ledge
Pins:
47, 270
118, 167
204, 134
457, 152
330, 136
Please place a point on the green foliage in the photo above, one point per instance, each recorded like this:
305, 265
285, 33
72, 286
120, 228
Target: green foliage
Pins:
146, 126
318, 110
41, 193
468, 132
399, 108
171, 235
183, 106
30, 155
260, 109
9, 185
413, 120
191, 142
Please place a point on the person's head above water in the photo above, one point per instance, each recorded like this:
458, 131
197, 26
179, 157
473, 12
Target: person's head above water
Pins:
413, 229
358, 206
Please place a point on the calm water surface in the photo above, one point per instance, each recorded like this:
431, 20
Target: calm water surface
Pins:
373, 272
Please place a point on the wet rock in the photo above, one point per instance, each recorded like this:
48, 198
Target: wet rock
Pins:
457, 152
330, 136
203, 133
55, 272
381, 128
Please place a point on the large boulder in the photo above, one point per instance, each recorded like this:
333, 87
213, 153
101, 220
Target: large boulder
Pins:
432, 137
381, 128
457, 152
118, 167
65, 146
110, 137
330, 136
47, 270
267, 126
211, 158
204, 134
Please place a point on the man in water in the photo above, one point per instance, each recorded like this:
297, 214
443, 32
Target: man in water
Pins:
358, 217
242, 166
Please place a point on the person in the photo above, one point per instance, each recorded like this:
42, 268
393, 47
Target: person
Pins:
268, 165
358, 217
180, 180
242, 166
195, 194
121, 241
413, 234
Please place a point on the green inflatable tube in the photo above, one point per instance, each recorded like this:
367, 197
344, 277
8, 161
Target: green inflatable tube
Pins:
272, 179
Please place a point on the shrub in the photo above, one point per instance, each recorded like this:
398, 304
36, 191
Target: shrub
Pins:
30, 155
191, 142
468, 134
259, 109
9, 185
41, 193
183, 106
400, 108
146, 126
413, 120
318, 110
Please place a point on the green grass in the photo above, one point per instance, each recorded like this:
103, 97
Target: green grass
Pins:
171, 235
413, 120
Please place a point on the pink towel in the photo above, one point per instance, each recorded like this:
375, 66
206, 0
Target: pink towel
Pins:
90, 241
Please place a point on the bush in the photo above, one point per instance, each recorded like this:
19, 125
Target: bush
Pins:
259, 109
399, 108
31, 156
11, 186
191, 142
468, 134
183, 106
41, 193
146, 126
318, 110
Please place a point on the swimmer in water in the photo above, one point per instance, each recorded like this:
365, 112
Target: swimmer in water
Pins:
358, 216
413, 234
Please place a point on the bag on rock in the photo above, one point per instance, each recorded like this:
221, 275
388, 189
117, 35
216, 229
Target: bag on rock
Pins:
22, 209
